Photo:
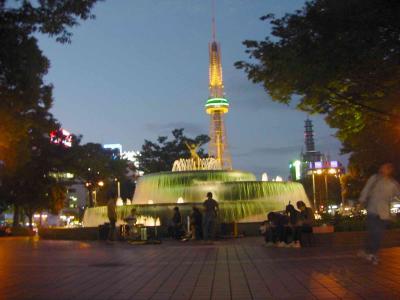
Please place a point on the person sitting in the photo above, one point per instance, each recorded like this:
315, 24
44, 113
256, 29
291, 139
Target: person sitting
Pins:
177, 225
131, 221
275, 232
196, 223
293, 231
306, 221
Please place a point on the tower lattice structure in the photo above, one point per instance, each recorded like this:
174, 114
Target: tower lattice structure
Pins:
217, 105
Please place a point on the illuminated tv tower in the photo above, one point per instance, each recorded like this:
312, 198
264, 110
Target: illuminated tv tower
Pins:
217, 105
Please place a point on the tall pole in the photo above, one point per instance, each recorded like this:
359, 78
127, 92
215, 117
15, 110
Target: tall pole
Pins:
313, 188
326, 188
119, 189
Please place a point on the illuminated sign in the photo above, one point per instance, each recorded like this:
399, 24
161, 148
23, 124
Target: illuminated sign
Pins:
334, 164
297, 165
113, 147
318, 165
61, 137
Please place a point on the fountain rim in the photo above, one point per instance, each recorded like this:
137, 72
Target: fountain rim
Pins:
198, 171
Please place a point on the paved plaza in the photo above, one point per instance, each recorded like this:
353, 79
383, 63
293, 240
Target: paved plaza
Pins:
232, 269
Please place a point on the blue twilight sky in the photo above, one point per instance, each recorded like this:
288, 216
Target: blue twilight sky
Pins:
140, 69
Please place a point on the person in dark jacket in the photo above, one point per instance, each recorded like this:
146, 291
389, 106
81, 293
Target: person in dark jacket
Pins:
276, 228
177, 225
306, 222
196, 223
293, 230
307, 218
211, 210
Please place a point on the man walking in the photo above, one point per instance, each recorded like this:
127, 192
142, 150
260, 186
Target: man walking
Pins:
210, 217
376, 197
112, 215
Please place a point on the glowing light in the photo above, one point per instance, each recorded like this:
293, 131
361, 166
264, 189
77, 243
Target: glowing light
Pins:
128, 202
332, 171
319, 172
297, 169
100, 183
61, 136
318, 164
120, 202
190, 164
278, 179
334, 164
147, 221
150, 202
180, 200
264, 177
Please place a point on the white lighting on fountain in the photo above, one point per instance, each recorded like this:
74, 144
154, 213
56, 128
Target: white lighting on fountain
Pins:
278, 179
180, 200
128, 202
147, 221
150, 202
264, 176
191, 164
120, 202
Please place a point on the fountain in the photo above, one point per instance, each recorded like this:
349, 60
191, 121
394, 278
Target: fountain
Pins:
241, 198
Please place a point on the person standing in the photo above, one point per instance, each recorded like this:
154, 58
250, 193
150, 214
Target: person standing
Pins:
112, 215
210, 217
177, 224
196, 223
376, 197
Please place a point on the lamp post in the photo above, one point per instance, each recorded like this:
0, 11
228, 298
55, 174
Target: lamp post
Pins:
313, 187
326, 187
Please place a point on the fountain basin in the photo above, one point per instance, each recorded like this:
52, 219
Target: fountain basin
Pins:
240, 197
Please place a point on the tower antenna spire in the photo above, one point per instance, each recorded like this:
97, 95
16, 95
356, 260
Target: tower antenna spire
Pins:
217, 105
213, 30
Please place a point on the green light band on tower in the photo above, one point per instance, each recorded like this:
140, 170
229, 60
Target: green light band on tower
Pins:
217, 102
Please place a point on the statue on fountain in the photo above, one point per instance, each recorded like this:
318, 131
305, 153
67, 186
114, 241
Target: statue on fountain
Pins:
195, 162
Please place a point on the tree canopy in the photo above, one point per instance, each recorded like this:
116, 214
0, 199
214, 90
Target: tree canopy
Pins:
94, 164
340, 59
26, 155
160, 155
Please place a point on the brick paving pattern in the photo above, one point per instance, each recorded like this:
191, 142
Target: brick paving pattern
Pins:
232, 269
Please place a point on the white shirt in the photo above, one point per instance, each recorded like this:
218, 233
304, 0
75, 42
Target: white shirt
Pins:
378, 194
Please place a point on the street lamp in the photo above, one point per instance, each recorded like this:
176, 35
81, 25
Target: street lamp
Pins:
328, 168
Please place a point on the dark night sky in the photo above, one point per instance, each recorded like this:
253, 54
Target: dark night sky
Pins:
140, 69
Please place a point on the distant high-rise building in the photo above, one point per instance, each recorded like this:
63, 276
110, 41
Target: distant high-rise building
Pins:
309, 135
217, 105
310, 156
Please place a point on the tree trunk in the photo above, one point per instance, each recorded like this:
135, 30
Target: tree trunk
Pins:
16, 216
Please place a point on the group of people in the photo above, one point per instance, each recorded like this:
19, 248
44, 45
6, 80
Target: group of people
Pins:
286, 229
202, 225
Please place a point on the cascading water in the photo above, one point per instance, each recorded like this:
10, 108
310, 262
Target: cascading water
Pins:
241, 198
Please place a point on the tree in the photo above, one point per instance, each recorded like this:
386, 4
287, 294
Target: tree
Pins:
159, 156
31, 186
25, 99
96, 166
22, 65
340, 59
